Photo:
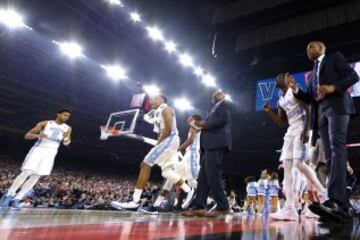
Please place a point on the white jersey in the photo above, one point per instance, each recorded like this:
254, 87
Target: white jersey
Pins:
55, 134
159, 125
196, 143
292, 107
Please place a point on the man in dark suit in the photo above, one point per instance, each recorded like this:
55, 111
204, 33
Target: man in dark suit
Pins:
215, 141
332, 107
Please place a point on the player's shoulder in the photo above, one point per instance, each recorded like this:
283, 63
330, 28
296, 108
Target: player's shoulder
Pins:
44, 123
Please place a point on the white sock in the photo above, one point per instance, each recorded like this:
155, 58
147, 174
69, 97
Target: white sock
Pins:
158, 201
137, 195
185, 187
310, 174
289, 183
18, 182
28, 185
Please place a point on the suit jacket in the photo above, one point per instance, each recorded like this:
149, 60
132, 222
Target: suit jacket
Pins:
217, 131
334, 70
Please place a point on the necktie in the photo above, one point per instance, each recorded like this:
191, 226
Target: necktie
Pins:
315, 78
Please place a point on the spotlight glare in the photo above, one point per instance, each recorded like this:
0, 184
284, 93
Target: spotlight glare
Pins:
115, 2
209, 80
115, 72
11, 19
151, 90
71, 49
135, 17
183, 104
170, 47
199, 71
228, 97
186, 60
155, 33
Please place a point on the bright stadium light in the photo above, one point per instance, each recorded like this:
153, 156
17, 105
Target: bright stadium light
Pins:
71, 49
228, 97
208, 80
186, 60
183, 104
115, 2
11, 19
115, 72
135, 17
199, 71
170, 46
155, 33
151, 90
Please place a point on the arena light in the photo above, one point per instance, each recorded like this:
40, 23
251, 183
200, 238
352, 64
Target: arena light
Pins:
155, 33
115, 72
151, 90
135, 17
199, 71
183, 104
12, 19
209, 80
186, 60
115, 2
170, 46
71, 49
228, 98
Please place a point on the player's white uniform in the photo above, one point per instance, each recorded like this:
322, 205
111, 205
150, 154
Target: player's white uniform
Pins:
163, 154
189, 166
293, 147
41, 157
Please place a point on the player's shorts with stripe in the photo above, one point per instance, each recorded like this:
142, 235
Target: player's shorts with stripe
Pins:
163, 154
40, 160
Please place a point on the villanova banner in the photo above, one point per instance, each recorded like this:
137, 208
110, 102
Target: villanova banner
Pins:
266, 92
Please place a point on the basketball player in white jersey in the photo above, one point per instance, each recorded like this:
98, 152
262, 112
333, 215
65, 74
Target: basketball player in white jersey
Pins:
188, 169
162, 154
40, 159
297, 115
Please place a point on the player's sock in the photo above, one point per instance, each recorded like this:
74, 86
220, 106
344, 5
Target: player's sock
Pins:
18, 182
289, 183
28, 185
158, 201
137, 195
185, 187
310, 175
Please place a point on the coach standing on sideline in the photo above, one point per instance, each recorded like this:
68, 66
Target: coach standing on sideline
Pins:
332, 106
215, 141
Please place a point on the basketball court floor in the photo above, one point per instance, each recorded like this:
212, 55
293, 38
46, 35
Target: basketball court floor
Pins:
52, 224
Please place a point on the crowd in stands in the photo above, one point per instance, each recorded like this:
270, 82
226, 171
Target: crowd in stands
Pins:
73, 189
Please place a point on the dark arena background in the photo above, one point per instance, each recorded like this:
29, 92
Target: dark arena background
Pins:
93, 56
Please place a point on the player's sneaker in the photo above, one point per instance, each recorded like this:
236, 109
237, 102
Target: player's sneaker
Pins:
287, 214
152, 210
188, 199
307, 213
125, 205
16, 204
5, 201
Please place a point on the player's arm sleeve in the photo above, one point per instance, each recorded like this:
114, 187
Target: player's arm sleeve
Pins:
224, 117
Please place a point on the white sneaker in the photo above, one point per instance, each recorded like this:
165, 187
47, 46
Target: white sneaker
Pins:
188, 199
323, 197
306, 212
289, 214
125, 205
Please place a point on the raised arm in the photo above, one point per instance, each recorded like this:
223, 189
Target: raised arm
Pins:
280, 119
34, 133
